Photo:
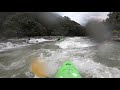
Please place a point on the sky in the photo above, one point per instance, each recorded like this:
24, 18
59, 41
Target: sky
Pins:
83, 17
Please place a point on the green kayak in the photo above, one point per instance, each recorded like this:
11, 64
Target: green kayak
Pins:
68, 70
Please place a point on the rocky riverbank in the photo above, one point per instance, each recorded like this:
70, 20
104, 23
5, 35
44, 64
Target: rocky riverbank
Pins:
116, 37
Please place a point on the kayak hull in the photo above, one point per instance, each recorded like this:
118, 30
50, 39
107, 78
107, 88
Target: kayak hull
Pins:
68, 70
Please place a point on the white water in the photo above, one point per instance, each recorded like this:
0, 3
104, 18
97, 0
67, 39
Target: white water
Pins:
10, 45
85, 65
75, 42
33, 40
72, 49
77, 49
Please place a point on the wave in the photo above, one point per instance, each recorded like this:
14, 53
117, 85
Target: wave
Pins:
17, 43
76, 42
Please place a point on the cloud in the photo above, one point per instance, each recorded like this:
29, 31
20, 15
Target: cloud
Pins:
83, 17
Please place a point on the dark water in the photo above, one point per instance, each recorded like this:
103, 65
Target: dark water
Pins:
91, 59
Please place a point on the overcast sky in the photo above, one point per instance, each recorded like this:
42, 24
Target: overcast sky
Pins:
83, 17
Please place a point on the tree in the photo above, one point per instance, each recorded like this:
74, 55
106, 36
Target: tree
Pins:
114, 20
24, 25
38, 24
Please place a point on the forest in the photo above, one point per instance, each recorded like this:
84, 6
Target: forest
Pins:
29, 24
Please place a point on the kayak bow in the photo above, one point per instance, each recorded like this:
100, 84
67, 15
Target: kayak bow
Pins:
68, 70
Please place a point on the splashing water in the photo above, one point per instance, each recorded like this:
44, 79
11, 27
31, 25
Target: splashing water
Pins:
86, 56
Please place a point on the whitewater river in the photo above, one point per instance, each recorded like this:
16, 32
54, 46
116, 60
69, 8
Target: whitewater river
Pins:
91, 59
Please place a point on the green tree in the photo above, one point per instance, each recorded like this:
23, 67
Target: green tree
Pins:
21, 24
114, 20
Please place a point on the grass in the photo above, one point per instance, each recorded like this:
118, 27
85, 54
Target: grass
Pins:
116, 31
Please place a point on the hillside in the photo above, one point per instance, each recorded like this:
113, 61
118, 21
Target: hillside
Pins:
28, 24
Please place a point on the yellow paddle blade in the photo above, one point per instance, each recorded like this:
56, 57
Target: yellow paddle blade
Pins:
38, 68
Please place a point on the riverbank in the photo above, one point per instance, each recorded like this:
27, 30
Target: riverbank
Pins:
116, 37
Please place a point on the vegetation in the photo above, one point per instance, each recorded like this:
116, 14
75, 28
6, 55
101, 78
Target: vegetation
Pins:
116, 31
14, 24
114, 21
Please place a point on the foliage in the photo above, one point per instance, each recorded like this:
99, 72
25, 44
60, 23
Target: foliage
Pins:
38, 24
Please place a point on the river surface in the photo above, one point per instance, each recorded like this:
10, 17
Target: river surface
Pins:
93, 60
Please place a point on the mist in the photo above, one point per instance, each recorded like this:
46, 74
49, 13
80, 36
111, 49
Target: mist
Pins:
98, 31
46, 17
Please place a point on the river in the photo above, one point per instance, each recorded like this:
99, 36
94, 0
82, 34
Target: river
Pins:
93, 60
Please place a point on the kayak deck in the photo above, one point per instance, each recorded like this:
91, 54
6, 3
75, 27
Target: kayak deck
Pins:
68, 70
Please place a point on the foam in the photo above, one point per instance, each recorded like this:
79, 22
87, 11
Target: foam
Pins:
33, 40
76, 42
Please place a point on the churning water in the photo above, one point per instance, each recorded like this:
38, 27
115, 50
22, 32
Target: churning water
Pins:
91, 59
